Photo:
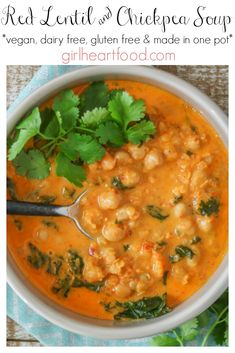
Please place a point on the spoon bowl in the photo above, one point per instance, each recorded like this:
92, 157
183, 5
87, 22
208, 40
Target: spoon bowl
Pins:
40, 209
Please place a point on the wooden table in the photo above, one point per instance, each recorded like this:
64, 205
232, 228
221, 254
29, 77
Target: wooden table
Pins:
212, 80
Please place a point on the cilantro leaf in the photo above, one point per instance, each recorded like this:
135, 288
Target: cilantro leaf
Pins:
226, 336
165, 340
95, 96
203, 319
66, 104
219, 332
189, 330
124, 109
113, 92
140, 132
65, 100
110, 132
51, 124
29, 127
92, 119
84, 146
67, 169
32, 164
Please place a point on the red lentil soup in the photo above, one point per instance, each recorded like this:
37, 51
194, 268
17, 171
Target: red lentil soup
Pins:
158, 211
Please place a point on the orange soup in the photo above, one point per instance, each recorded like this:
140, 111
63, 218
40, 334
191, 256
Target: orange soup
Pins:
156, 203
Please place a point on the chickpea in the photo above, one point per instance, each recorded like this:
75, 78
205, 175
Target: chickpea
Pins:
113, 232
137, 152
109, 200
153, 159
180, 210
142, 285
199, 175
116, 267
185, 227
204, 223
170, 152
208, 158
122, 290
192, 143
123, 157
108, 255
92, 217
111, 282
92, 272
129, 177
108, 162
127, 212
158, 263
180, 274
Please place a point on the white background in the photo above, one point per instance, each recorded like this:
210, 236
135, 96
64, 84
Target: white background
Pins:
188, 55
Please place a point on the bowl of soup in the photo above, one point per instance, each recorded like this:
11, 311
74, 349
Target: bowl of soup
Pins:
151, 151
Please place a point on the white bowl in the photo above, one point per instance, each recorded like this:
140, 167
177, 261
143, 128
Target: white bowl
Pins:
199, 301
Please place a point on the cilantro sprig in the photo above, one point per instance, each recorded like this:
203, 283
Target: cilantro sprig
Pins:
77, 130
211, 323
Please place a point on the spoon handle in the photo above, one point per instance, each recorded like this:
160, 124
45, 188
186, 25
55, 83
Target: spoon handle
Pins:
34, 209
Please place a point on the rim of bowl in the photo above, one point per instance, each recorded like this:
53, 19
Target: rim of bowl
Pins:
202, 298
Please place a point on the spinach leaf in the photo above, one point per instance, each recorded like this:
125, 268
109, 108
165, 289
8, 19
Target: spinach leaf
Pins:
146, 308
50, 224
117, 183
155, 212
18, 223
181, 252
94, 286
62, 286
207, 208
177, 199
75, 261
36, 258
184, 251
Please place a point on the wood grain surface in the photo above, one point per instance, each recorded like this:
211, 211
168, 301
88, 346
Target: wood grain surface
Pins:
212, 80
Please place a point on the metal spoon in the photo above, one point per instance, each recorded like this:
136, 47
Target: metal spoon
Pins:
39, 209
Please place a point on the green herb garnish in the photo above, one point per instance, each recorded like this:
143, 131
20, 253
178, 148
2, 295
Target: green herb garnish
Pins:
78, 129
184, 251
146, 308
155, 212
117, 183
50, 224
181, 251
75, 261
211, 323
207, 208
36, 258
126, 247
62, 286
18, 223
94, 286
177, 199
32, 164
